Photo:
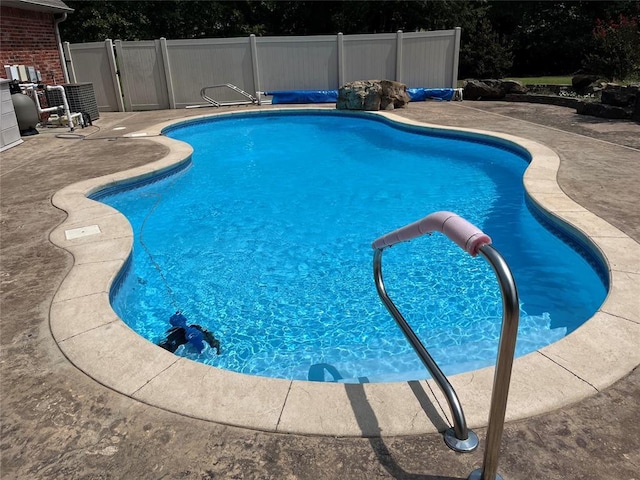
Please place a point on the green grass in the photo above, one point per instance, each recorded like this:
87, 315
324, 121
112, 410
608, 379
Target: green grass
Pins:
552, 80
542, 80
559, 80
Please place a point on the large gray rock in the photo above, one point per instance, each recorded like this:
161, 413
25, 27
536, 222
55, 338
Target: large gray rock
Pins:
372, 95
616, 102
587, 84
513, 87
635, 113
482, 90
619, 96
582, 81
394, 95
491, 89
600, 110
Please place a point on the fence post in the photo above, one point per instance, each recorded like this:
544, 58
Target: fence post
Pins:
69, 59
399, 56
255, 65
167, 72
126, 97
340, 38
456, 57
113, 67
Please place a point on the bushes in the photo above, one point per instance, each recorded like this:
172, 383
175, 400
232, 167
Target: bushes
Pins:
617, 51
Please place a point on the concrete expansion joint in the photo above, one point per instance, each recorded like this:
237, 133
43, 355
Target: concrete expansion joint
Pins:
621, 235
631, 320
116, 320
284, 404
625, 271
149, 380
570, 371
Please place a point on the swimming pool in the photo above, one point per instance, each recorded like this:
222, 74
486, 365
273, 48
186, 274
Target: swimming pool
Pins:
244, 270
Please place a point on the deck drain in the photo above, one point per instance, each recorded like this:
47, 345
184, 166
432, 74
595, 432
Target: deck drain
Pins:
81, 232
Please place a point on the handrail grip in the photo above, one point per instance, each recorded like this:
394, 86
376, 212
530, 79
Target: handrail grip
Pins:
459, 438
466, 235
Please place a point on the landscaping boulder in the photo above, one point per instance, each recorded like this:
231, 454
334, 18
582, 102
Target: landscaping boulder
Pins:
491, 89
635, 113
619, 96
394, 95
513, 87
600, 110
584, 84
616, 102
359, 95
372, 95
481, 90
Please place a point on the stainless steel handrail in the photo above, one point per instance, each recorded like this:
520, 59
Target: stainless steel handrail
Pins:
458, 438
474, 241
215, 103
504, 364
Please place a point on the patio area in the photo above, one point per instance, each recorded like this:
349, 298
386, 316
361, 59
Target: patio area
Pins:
59, 423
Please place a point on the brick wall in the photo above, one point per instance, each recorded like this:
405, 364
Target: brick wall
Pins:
28, 38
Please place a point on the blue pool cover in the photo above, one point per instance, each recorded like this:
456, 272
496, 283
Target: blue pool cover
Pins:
331, 96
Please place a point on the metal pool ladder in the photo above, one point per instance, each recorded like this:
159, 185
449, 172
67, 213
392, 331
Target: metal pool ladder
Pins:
474, 241
250, 98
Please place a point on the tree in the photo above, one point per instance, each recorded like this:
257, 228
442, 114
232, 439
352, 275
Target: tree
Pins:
147, 20
483, 54
498, 38
553, 38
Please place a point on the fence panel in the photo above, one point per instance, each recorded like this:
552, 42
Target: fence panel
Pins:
142, 73
91, 63
163, 73
428, 59
298, 63
196, 64
370, 57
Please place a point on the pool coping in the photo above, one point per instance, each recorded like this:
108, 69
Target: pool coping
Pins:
96, 341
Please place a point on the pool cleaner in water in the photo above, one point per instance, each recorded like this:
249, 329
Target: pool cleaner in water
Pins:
191, 335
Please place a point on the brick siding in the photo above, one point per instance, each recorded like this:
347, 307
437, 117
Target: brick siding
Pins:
28, 38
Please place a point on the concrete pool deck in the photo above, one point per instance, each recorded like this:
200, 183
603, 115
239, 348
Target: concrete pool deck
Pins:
600, 174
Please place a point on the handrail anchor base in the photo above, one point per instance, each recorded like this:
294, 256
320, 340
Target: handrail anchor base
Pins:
454, 443
477, 475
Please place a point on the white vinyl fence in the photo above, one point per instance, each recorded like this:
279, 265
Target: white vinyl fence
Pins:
160, 74
95, 63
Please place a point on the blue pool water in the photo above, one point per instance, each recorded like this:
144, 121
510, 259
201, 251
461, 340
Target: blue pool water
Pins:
265, 240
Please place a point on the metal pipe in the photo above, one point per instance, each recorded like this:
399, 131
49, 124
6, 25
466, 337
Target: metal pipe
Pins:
63, 61
459, 438
504, 364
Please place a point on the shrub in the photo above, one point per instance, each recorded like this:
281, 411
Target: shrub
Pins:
617, 52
